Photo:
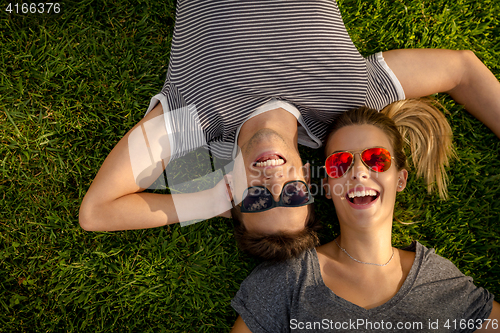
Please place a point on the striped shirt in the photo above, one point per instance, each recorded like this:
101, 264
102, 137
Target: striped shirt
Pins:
228, 58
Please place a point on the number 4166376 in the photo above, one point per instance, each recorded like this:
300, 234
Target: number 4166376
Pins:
34, 8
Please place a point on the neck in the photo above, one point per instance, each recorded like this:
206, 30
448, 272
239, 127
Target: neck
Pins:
279, 120
371, 245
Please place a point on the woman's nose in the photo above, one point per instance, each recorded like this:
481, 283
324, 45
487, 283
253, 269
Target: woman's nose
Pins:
359, 170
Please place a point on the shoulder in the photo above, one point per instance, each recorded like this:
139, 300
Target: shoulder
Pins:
277, 276
266, 296
444, 281
433, 266
441, 277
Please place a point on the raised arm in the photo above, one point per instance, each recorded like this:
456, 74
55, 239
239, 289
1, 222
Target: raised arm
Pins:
115, 200
461, 74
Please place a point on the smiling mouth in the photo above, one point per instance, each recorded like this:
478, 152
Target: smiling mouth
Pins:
270, 160
363, 197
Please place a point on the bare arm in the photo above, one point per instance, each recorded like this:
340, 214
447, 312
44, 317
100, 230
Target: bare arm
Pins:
461, 74
115, 200
494, 324
240, 326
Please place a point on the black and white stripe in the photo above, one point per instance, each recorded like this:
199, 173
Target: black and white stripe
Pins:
383, 87
230, 57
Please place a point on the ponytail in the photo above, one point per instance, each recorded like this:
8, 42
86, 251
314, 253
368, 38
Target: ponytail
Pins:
416, 123
427, 133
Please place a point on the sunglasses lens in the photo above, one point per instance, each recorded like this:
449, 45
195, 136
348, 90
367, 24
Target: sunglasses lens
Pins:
378, 159
295, 194
338, 163
257, 198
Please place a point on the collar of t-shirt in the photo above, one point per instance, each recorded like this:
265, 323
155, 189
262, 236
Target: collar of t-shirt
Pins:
305, 137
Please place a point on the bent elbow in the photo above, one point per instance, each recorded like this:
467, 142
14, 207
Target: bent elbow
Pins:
468, 58
462, 66
468, 54
468, 61
87, 218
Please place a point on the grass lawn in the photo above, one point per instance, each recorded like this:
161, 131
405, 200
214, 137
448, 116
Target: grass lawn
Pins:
72, 83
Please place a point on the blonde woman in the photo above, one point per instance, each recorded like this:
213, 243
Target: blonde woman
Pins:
360, 282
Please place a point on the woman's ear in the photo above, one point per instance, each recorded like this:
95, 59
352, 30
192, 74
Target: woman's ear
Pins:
402, 180
326, 188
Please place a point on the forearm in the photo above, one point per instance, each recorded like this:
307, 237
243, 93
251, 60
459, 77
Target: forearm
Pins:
150, 210
479, 91
131, 211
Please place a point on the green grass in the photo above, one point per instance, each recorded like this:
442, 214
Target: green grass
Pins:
72, 84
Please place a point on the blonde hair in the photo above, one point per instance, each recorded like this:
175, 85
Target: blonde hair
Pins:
416, 123
426, 132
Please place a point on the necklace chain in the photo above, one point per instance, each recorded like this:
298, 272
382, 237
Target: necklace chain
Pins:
362, 262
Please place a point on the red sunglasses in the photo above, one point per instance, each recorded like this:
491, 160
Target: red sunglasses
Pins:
339, 163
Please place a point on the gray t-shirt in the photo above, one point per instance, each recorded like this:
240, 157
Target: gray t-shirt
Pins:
292, 297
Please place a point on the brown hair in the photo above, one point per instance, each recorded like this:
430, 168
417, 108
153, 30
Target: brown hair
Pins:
279, 246
420, 125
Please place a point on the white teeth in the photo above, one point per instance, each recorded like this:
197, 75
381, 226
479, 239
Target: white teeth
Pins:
363, 193
270, 163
